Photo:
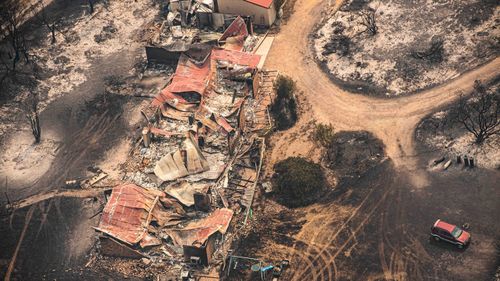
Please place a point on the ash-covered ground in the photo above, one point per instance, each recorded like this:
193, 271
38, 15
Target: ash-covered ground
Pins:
442, 133
398, 47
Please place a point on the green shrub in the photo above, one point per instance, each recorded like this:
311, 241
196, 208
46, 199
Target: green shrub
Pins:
284, 108
297, 181
324, 135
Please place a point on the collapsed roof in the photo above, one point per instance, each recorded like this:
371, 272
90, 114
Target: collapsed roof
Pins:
235, 34
197, 232
131, 209
176, 165
191, 83
208, 103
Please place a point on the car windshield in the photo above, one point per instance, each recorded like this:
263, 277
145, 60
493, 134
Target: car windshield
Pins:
456, 232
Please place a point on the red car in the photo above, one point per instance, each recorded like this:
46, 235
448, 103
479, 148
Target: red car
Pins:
450, 233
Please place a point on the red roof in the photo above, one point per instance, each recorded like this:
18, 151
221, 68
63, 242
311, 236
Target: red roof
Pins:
125, 213
237, 28
236, 57
190, 77
235, 35
129, 211
263, 3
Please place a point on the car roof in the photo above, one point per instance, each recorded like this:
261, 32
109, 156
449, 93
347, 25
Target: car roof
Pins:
444, 225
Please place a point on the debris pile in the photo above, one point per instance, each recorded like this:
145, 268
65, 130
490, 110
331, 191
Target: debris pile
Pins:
191, 178
190, 26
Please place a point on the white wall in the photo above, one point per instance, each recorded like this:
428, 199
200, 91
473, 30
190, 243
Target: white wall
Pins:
261, 16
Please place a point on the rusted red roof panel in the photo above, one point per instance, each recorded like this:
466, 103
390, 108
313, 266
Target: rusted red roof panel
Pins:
236, 57
126, 213
196, 233
237, 28
190, 77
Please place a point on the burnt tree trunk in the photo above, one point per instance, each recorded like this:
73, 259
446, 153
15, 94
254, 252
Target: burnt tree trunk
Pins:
479, 114
35, 126
91, 6
53, 31
31, 107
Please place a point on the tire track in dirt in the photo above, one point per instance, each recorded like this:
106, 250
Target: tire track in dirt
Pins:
406, 256
362, 224
391, 120
336, 242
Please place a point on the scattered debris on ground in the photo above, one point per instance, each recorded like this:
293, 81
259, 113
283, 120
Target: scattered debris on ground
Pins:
192, 175
193, 169
351, 154
268, 240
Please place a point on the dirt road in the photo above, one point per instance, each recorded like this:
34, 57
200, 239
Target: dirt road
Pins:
391, 120
383, 235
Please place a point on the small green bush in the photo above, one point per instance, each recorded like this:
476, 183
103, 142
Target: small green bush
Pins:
297, 181
284, 108
324, 135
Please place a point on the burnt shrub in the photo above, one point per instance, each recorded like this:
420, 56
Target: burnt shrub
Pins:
434, 53
284, 108
297, 181
339, 44
352, 153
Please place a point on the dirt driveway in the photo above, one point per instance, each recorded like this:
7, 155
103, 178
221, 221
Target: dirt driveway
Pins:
391, 120
384, 236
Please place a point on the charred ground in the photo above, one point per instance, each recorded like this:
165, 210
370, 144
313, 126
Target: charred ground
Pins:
416, 45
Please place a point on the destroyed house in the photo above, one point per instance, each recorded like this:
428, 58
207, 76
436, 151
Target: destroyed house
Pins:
226, 70
134, 219
263, 12
200, 161
197, 239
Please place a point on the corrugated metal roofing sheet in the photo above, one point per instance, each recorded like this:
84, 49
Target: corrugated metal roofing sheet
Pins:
129, 211
190, 77
236, 57
196, 233
235, 35
236, 29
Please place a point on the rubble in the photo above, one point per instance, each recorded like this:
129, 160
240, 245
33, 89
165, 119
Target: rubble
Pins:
193, 179
129, 211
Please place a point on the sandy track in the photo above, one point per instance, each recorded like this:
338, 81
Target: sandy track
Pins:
391, 120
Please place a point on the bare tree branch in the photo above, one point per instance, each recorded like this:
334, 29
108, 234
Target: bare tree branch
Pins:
369, 21
479, 113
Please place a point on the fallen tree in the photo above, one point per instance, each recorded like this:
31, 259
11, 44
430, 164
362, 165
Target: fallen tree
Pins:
80, 193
